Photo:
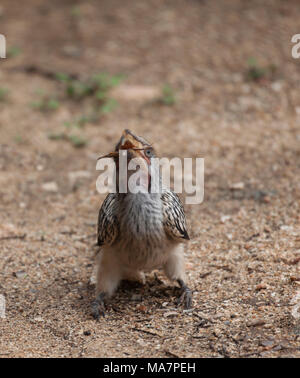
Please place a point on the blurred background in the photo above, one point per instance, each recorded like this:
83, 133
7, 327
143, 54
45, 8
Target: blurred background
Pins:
197, 78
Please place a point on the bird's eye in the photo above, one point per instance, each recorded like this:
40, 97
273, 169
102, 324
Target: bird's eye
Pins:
149, 152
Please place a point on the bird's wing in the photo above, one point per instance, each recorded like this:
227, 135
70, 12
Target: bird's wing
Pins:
173, 216
108, 226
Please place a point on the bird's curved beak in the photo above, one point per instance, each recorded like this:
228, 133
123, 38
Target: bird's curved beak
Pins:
113, 154
130, 143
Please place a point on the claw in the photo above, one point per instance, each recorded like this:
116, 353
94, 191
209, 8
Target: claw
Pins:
186, 296
98, 307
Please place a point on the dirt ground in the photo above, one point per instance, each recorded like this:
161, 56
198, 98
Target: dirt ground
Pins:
243, 258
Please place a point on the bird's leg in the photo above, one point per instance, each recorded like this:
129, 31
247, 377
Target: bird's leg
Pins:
98, 306
186, 295
174, 269
108, 278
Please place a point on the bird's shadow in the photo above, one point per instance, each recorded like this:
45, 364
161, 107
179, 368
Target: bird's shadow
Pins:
152, 294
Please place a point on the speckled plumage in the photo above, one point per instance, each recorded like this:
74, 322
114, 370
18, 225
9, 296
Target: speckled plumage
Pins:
169, 211
137, 233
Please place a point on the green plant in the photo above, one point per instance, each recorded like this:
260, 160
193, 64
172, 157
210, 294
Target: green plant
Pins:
75, 11
108, 106
96, 86
256, 72
168, 95
62, 76
3, 94
18, 139
73, 87
81, 121
46, 104
13, 51
52, 104
76, 140
104, 82
58, 136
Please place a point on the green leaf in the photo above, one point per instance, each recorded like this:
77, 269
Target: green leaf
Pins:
13, 51
168, 97
37, 104
108, 106
77, 141
100, 94
62, 77
52, 104
3, 94
57, 136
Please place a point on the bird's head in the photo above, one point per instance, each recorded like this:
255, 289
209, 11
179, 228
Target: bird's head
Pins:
137, 148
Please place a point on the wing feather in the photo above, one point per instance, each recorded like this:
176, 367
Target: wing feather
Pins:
108, 226
173, 216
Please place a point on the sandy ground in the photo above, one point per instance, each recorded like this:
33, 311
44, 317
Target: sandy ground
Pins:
243, 257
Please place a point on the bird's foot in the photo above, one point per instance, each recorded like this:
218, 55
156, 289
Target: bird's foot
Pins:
98, 307
186, 296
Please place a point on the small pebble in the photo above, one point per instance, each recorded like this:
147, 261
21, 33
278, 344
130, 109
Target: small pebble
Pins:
136, 297
20, 274
267, 343
261, 287
38, 319
170, 314
50, 187
225, 218
141, 308
255, 323
237, 186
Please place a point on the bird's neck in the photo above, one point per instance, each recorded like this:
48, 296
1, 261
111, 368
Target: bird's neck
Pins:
147, 183
139, 198
140, 216
141, 206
